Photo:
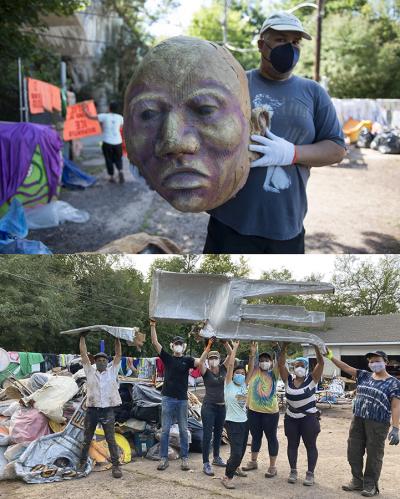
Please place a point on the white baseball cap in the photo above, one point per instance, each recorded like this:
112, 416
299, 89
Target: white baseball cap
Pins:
283, 21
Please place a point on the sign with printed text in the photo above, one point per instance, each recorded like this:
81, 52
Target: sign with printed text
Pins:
43, 97
78, 124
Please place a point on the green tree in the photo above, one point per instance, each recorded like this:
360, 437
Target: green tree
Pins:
224, 264
20, 26
244, 21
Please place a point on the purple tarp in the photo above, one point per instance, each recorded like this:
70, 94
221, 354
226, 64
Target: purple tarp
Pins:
17, 145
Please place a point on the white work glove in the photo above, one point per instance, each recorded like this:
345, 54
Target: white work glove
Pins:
276, 151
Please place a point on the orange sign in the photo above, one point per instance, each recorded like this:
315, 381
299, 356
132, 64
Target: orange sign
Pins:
78, 124
43, 97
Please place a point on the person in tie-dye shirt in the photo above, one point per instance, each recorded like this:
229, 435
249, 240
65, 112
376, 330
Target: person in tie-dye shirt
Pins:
263, 409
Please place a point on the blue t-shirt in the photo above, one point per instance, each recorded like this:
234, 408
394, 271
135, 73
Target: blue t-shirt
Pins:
301, 112
374, 397
235, 402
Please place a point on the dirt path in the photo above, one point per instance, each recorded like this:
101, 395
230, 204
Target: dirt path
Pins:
141, 480
353, 208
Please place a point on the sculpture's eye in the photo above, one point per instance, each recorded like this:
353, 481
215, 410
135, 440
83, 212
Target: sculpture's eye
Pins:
149, 114
205, 110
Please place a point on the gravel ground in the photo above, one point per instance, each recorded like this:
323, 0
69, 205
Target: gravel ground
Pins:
141, 480
353, 208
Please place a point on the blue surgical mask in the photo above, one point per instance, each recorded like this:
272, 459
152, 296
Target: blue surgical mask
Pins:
283, 57
239, 379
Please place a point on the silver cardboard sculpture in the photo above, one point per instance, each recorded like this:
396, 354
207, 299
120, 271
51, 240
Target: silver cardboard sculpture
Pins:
221, 302
131, 335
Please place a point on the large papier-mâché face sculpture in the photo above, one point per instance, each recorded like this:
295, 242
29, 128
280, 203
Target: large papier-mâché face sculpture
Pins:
187, 123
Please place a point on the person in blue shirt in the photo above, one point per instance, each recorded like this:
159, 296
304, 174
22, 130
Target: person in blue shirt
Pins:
267, 214
377, 404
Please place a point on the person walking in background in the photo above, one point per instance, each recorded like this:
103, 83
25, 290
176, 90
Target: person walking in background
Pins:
377, 401
302, 417
213, 410
111, 124
263, 409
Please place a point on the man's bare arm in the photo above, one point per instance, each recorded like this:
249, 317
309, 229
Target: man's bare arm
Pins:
154, 339
83, 350
321, 153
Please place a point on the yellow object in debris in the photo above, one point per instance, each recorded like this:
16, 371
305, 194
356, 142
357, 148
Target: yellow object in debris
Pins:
123, 445
352, 128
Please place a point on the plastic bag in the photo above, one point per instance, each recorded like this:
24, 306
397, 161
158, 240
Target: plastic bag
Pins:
37, 381
28, 425
53, 214
174, 438
365, 138
154, 453
389, 143
14, 451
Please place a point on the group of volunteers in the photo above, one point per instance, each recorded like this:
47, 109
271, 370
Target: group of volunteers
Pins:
243, 401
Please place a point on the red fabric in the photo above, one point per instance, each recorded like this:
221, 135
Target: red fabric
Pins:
160, 367
195, 373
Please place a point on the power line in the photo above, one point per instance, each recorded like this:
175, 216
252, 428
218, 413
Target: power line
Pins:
63, 290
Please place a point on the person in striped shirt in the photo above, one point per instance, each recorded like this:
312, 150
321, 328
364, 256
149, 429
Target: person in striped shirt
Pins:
301, 418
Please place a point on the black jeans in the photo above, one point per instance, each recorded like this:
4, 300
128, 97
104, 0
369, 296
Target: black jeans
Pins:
238, 434
260, 423
113, 156
370, 436
213, 418
224, 239
308, 429
104, 416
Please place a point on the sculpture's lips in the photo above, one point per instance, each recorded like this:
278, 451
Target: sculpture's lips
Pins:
185, 178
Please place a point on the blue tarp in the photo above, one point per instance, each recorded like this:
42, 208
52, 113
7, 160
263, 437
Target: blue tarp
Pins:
14, 229
74, 178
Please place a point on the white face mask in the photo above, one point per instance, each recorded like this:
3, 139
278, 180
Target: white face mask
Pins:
300, 371
265, 365
177, 348
377, 367
213, 363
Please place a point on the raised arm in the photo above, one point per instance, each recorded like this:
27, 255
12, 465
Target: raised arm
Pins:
231, 363
252, 360
83, 350
318, 369
228, 349
341, 365
118, 352
154, 339
202, 359
283, 371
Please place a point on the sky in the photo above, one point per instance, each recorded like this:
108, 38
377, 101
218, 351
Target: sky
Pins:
300, 265
179, 19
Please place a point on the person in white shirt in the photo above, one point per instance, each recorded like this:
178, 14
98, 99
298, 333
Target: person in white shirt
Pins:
102, 397
111, 124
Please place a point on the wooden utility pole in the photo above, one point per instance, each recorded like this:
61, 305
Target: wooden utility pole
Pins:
318, 40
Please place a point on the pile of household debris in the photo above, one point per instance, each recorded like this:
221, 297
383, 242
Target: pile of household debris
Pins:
41, 426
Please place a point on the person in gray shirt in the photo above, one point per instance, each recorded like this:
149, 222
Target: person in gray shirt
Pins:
267, 214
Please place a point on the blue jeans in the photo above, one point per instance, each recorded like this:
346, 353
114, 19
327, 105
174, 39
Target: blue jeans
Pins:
174, 410
213, 418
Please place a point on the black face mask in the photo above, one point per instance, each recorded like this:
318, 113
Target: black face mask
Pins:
283, 57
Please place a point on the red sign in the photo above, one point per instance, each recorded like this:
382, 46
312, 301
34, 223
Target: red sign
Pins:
78, 124
43, 97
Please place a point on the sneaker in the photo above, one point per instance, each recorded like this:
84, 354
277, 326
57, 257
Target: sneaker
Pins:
352, 485
163, 464
240, 472
218, 461
251, 465
116, 472
207, 469
227, 483
271, 472
309, 479
292, 476
185, 464
121, 177
370, 491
